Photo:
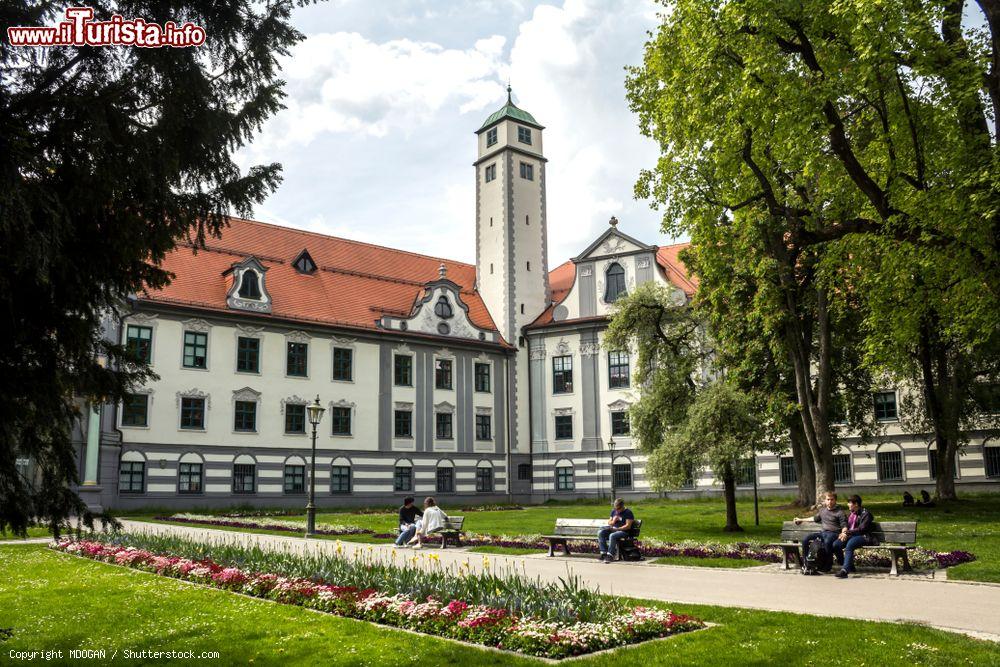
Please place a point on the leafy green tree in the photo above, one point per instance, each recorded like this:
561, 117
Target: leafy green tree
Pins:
110, 156
818, 133
721, 427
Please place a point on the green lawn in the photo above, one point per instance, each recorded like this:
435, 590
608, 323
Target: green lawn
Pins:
51, 601
32, 532
971, 524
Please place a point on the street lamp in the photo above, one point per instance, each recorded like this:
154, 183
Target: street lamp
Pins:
611, 450
315, 411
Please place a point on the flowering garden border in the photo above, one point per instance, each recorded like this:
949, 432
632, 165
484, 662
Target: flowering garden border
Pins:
458, 620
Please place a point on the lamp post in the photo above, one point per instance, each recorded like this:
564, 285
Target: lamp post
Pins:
611, 450
315, 411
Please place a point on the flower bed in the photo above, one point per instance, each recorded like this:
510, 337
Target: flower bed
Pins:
264, 524
483, 624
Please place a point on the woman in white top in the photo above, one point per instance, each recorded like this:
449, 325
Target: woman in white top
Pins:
434, 519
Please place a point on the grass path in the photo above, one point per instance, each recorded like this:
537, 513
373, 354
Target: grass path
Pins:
52, 601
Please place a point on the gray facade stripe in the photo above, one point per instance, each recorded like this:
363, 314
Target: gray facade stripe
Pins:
428, 403
590, 386
386, 412
644, 274
545, 233
537, 398
499, 386
588, 290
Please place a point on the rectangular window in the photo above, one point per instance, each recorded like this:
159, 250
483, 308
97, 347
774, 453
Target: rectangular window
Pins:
618, 370
343, 364
746, 472
890, 466
402, 478
189, 478
789, 475
139, 342
483, 377
245, 417
524, 472
443, 421
842, 468
248, 355
991, 456
442, 374
341, 420
564, 479
340, 479
885, 406
484, 479
295, 479
484, 427
527, 171
623, 475
135, 410
562, 374
192, 413
195, 349
404, 424
295, 418
403, 370
619, 423
524, 135
491, 172
131, 477
445, 480
564, 427
244, 478
296, 361
491, 137
591, 465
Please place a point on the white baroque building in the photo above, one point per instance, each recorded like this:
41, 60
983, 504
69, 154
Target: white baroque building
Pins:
473, 383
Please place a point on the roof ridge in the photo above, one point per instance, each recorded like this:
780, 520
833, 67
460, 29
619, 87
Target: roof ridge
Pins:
346, 240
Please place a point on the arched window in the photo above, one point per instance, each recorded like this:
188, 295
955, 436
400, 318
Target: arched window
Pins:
621, 472
132, 473
564, 476
615, 283
991, 458
402, 476
442, 308
340, 475
250, 285
889, 461
445, 477
244, 474
932, 462
484, 477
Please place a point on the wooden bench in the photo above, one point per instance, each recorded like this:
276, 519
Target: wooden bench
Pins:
452, 531
580, 530
897, 537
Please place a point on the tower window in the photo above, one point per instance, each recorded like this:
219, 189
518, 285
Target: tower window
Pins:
524, 135
491, 137
526, 220
529, 266
522, 309
491, 172
491, 221
491, 269
249, 285
616, 283
527, 171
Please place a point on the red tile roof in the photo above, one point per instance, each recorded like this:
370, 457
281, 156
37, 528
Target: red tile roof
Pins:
354, 285
562, 277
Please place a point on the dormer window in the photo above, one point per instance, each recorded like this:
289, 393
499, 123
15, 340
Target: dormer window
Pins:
442, 308
304, 263
491, 137
524, 135
615, 283
250, 285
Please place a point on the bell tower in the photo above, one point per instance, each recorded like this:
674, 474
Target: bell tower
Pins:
511, 264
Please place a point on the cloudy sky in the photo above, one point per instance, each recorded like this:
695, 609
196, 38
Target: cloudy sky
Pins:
377, 141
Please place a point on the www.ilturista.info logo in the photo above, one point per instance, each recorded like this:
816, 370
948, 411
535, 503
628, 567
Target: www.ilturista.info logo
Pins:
79, 29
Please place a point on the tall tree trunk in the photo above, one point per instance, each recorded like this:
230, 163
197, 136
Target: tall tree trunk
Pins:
729, 489
940, 388
804, 467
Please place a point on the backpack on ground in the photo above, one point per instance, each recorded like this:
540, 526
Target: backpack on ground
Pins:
629, 551
817, 559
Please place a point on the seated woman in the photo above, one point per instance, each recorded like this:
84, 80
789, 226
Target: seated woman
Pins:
434, 520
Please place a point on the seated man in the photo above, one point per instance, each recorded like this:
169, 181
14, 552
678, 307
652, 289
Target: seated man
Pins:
833, 521
619, 524
408, 515
856, 534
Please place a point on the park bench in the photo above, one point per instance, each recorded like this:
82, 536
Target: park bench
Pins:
580, 530
452, 531
898, 537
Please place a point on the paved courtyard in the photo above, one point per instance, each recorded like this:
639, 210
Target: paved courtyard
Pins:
969, 608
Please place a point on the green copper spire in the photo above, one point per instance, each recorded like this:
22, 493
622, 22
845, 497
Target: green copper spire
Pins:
509, 110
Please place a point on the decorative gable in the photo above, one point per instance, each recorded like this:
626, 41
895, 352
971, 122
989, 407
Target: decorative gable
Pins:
248, 289
613, 243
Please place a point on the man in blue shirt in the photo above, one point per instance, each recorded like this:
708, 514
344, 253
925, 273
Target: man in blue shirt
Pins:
619, 524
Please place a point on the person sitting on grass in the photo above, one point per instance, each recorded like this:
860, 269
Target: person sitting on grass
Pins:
857, 533
408, 521
434, 520
619, 524
833, 521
